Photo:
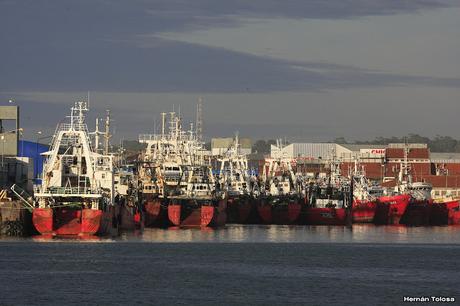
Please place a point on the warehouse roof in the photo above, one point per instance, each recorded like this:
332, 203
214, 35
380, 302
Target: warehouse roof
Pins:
245, 143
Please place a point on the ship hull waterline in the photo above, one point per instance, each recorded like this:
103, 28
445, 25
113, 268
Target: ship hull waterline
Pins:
390, 209
69, 221
280, 213
155, 213
325, 216
192, 213
363, 211
242, 210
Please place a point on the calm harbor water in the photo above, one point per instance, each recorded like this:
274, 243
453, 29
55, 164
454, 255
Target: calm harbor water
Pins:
247, 265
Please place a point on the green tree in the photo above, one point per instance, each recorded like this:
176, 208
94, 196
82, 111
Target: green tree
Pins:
340, 140
263, 146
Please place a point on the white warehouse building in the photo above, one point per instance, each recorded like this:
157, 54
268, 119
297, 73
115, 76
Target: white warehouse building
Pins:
323, 151
220, 146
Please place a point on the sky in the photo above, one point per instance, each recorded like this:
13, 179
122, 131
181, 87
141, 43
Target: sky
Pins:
301, 70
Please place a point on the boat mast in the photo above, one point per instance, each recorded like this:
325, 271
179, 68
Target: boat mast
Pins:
199, 120
107, 133
96, 136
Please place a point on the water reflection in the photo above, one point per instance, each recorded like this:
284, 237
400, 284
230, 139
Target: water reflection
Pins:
310, 234
362, 233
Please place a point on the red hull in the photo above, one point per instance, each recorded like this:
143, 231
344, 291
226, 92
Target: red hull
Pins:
363, 211
325, 216
154, 213
109, 221
417, 213
66, 221
447, 213
130, 218
184, 215
240, 210
278, 214
390, 209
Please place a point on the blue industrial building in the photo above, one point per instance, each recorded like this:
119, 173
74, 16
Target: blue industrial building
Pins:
33, 150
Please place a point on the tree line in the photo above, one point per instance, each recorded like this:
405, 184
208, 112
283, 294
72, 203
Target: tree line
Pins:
437, 144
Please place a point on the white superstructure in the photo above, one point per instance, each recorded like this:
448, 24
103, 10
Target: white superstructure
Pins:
165, 161
73, 172
234, 170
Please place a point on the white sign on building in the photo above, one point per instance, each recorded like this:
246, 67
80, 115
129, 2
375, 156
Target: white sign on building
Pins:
373, 153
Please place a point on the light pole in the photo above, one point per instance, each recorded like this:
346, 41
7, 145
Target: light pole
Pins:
3, 139
36, 152
3, 148
36, 155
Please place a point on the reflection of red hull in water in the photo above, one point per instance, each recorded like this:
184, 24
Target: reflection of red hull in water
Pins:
187, 213
279, 213
240, 210
325, 216
390, 209
446, 213
66, 221
154, 213
363, 211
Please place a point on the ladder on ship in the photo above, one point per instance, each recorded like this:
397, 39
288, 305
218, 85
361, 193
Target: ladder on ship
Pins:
23, 196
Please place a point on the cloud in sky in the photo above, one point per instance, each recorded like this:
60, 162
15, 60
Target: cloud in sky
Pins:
169, 66
118, 47
112, 46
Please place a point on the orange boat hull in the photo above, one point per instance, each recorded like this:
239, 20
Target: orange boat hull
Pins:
66, 221
446, 213
184, 213
325, 216
363, 211
390, 209
280, 213
154, 213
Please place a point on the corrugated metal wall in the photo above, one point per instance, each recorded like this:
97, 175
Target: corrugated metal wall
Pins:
314, 150
33, 150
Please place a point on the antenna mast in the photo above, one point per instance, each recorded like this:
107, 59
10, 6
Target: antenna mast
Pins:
107, 133
199, 120
96, 136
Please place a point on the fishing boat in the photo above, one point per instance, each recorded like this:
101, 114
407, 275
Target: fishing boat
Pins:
280, 202
160, 168
328, 199
327, 203
76, 195
127, 200
365, 197
445, 211
235, 180
150, 194
408, 203
177, 179
419, 208
390, 209
201, 204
